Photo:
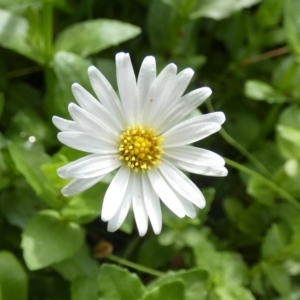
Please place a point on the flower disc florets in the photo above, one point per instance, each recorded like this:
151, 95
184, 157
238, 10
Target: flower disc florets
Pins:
140, 148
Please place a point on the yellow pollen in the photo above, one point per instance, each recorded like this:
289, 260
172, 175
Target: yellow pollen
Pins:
140, 148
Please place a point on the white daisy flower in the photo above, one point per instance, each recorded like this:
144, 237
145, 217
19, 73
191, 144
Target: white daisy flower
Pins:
143, 135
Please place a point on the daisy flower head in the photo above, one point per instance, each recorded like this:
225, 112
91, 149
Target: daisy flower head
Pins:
145, 136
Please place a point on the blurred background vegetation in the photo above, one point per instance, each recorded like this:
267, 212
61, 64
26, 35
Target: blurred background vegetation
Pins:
245, 244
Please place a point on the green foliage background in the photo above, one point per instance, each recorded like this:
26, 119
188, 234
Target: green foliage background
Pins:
245, 244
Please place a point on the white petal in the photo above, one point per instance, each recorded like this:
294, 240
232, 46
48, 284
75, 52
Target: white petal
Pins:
215, 117
189, 208
171, 98
139, 209
95, 108
164, 192
186, 105
156, 96
115, 193
181, 183
119, 217
79, 185
65, 125
194, 98
182, 81
127, 86
92, 124
190, 134
62, 172
195, 155
218, 171
145, 80
152, 204
87, 142
90, 166
106, 94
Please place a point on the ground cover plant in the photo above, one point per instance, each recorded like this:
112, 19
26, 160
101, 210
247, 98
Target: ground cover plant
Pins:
245, 243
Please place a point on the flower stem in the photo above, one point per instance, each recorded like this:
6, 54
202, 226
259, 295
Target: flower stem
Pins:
47, 19
133, 265
284, 194
48, 30
230, 140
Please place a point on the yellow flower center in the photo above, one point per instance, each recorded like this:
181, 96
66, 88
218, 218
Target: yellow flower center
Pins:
140, 148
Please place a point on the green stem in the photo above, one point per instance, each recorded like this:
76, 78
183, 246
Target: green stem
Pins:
284, 194
131, 247
135, 266
47, 19
230, 140
268, 125
48, 30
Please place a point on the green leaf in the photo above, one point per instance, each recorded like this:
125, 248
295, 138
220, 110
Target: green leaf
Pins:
294, 246
73, 66
287, 214
233, 293
288, 183
270, 12
108, 69
28, 161
292, 24
259, 90
224, 268
13, 278
84, 288
48, 239
251, 220
116, 283
20, 205
86, 206
291, 167
278, 277
173, 290
195, 281
50, 171
258, 190
288, 129
234, 208
80, 264
83, 207
157, 257
94, 36
275, 241
2, 101
197, 240
69, 68
13, 35
219, 9
290, 134
286, 76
